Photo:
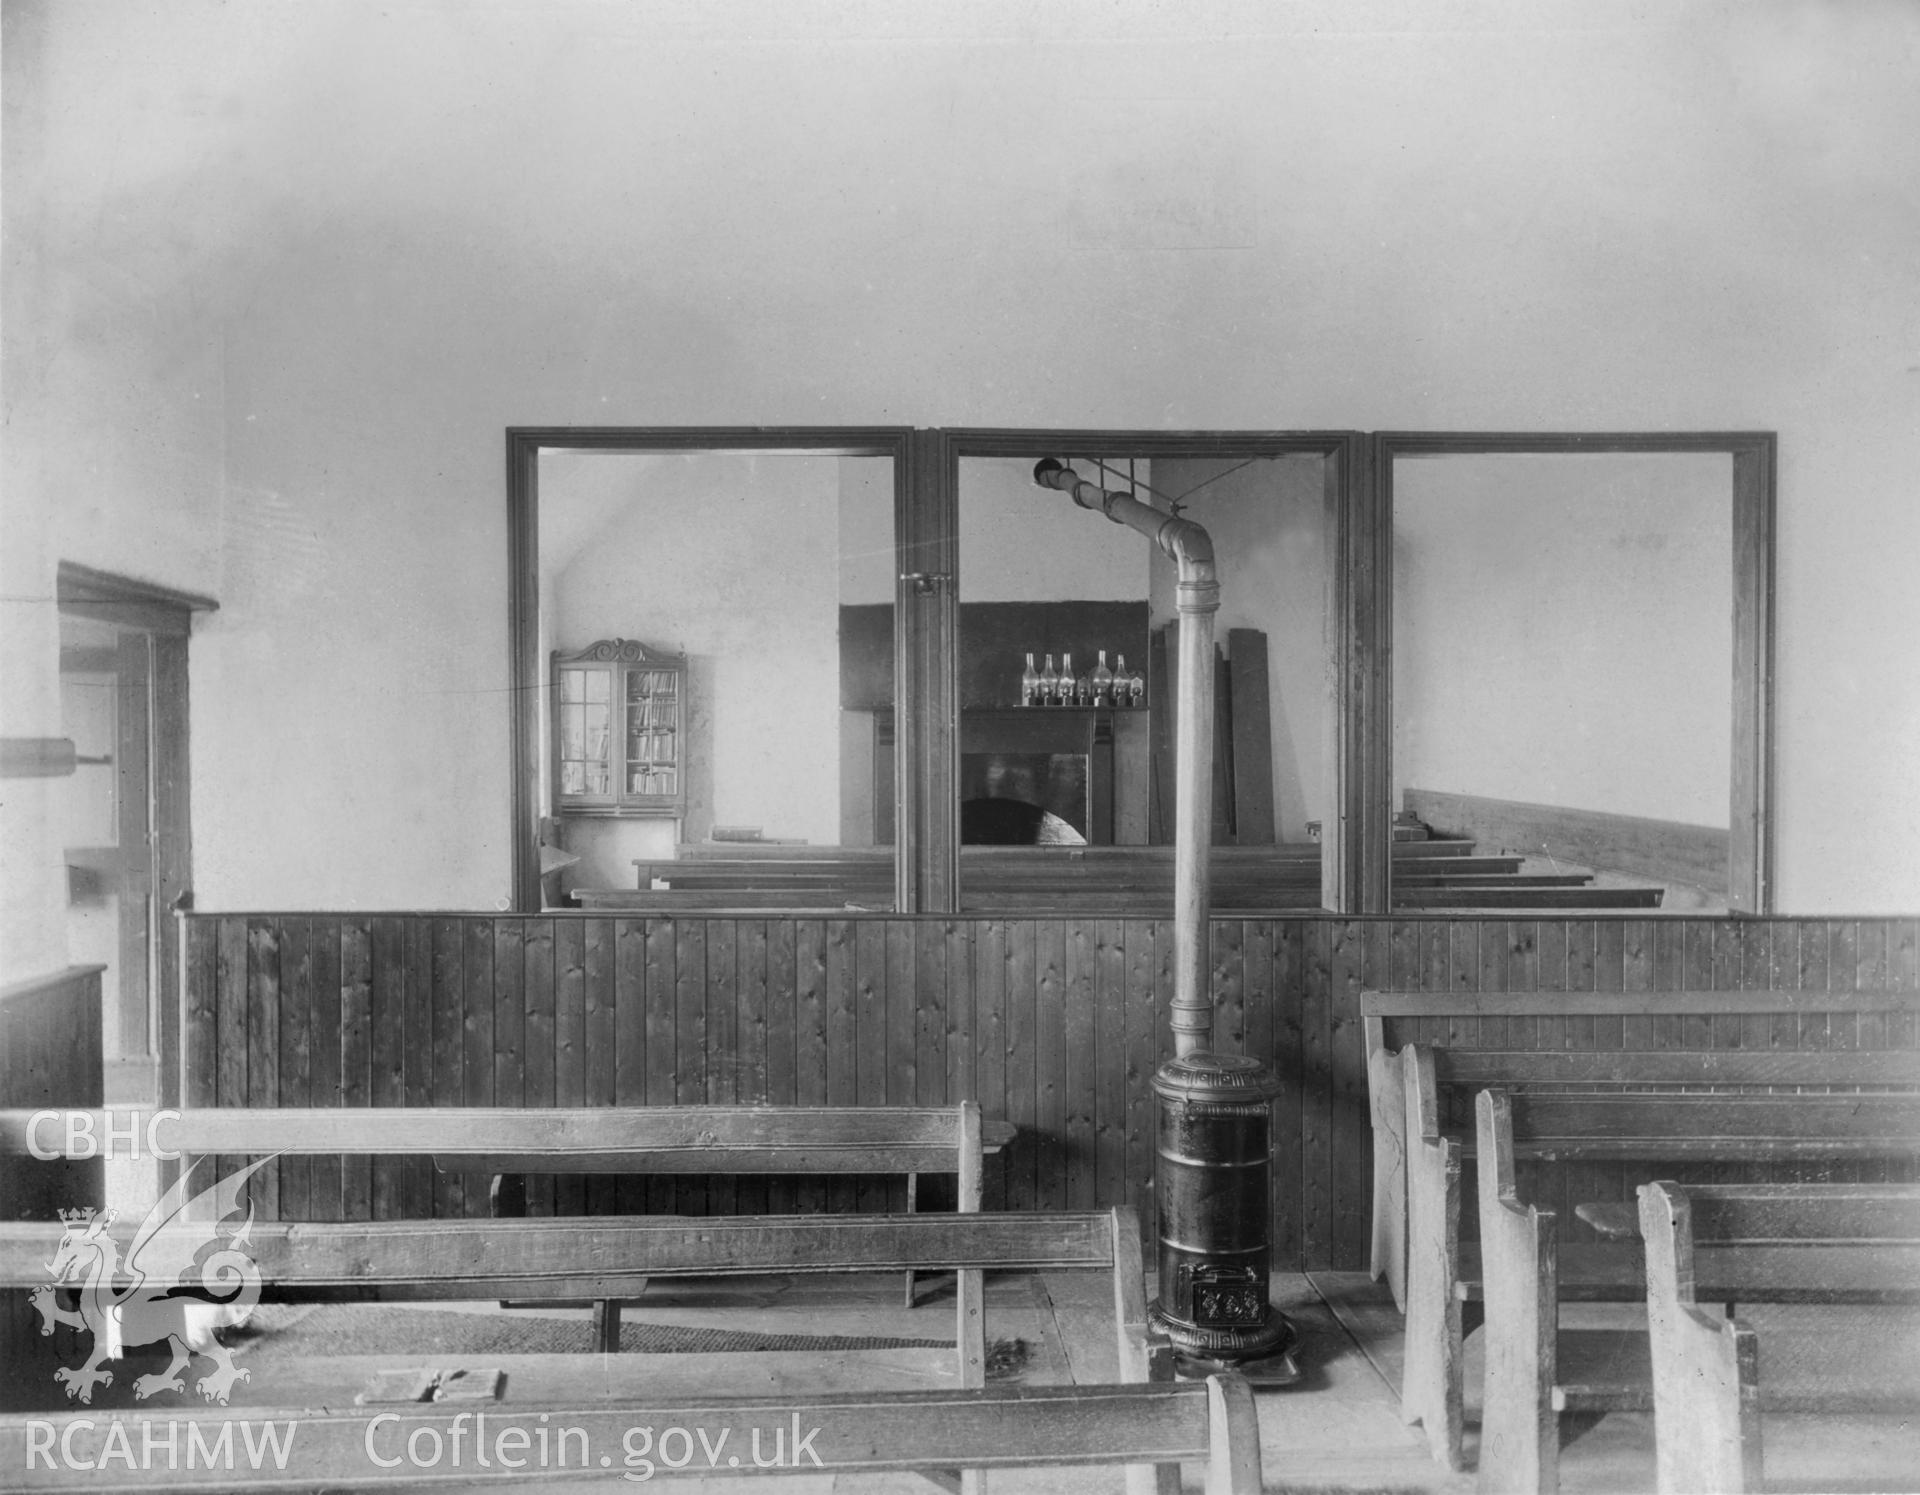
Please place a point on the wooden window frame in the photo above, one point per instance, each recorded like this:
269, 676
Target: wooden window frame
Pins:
1357, 840
526, 670
1351, 821
1750, 793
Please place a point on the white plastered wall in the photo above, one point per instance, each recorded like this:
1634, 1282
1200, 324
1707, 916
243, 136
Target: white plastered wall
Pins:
279, 276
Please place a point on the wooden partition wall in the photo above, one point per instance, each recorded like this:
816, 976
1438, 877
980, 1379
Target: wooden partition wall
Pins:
50, 1056
1055, 1024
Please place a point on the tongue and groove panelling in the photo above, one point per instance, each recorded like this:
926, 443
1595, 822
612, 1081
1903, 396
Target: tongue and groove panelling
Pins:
1055, 1024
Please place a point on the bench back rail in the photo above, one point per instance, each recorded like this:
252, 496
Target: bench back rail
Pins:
607, 1256
638, 1139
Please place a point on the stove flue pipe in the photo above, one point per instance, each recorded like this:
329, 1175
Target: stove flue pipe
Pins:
1198, 599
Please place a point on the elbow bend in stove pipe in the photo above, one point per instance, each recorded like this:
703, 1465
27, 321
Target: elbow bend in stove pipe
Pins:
1183, 541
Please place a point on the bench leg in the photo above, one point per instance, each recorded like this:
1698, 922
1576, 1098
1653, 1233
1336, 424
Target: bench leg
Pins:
1431, 1389
913, 1204
606, 1326
1387, 1256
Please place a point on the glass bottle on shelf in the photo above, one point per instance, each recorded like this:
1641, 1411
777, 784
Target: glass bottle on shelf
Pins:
1100, 683
1137, 688
1049, 683
1069, 686
1029, 683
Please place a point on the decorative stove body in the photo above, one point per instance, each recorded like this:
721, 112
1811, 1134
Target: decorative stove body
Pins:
1213, 1177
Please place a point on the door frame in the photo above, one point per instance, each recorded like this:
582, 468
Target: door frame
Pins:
164, 617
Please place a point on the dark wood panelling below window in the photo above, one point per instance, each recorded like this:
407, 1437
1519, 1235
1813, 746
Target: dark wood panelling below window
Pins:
1055, 1024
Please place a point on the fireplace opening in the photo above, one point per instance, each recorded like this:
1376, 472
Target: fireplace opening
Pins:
1024, 799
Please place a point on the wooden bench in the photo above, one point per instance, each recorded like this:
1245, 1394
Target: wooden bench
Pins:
509, 1144
606, 1257
1470, 1068
1026, 1427
1711, 1375
1421, 1141
1526, 1271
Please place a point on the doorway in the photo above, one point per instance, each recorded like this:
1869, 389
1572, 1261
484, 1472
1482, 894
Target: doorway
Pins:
126, 820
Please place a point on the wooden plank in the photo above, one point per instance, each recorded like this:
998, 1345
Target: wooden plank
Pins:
1078, 1075
296, 1054
690, 1023
1317, 1204
842, 1069
569, 1043
413, 997
1050, 1068
1351, 1132
1109, 1063
880, 1138
1594, 1124
1221, 779
810, 1053
263, 1043
1693, 1067
1852, 1213
1749, 866
663, 1042
537, 1050
721, 1049
630, 1046
200, 1023
1287, 981
929, 1432
1023, 1177
391, 1180
356, 1057
1252, 755
1520, 1435
325, 1086
989, 983
230, 1082
870, 1038
600, 1037
1636, 974
447, 999
750, 1041
1693, 1003
509, 1012
554, 1253
931, 991
1162, 691
961, 1051
1227, 986
1463, 970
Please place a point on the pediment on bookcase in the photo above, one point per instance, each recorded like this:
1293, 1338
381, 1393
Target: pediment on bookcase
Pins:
621, 651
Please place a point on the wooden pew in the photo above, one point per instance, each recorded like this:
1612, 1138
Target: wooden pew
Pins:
1709, 1373
1526, 1271
509, 1144
1025, 1427
607, 1257
1466, 1069
1441, 1276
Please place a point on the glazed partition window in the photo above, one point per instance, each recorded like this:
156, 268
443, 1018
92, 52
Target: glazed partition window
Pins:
1578, 671
682, 714
788, 668
1066, 673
